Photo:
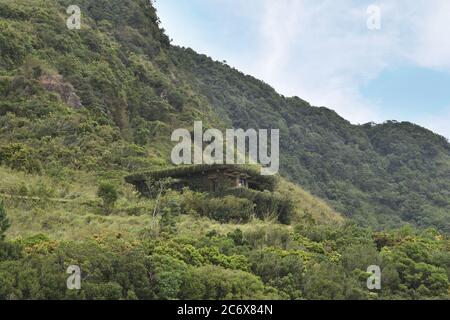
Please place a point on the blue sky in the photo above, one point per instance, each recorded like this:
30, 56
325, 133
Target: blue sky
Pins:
323, 51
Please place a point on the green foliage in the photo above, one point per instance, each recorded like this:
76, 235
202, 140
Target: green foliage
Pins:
171, 208
185, 172
216, 283
134, 89
4, 222
414, 266
379, 175
268, 204
225, 209
282, 272
20, 157
109, 195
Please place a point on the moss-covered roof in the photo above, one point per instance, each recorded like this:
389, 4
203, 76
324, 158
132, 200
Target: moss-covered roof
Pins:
252, 172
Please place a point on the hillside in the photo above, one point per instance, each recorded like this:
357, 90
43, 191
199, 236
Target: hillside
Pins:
128, 76
380, 175
81, 109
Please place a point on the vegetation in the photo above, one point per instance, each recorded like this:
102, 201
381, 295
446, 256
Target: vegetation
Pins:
78, 107
379, 175
261, 263
4, 222
108, 193
268, 204
260, 182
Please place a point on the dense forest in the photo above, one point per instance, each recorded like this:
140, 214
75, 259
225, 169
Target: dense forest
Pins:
81, 109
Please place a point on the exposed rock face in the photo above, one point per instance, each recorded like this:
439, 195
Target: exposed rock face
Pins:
65, 90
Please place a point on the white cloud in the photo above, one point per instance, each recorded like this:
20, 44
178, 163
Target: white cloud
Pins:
433, 32
279, 32
323, 52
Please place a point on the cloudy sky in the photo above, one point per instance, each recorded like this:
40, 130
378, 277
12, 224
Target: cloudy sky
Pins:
323, 51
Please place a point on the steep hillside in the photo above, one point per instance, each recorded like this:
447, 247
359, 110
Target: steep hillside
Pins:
380, 175
108, 96
80, 109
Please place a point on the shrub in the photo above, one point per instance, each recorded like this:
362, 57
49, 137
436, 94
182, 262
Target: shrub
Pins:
20, 157
267, 204
268, 236
176, 99
211, 282
229, 209
4, 222
226, 209
109, 195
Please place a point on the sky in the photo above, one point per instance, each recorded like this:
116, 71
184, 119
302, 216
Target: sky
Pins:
370, 61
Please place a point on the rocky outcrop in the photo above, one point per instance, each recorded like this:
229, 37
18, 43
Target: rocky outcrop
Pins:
65, 90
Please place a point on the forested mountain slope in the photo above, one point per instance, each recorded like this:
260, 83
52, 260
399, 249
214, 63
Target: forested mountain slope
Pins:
122, 70
380, 175
80, 109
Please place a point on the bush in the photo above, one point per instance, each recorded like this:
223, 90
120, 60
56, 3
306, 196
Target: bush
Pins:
216, 283
282, 272
109, 195
226, 209
229, 209
20, 157
268, 236
267, 204
176, 99
4, 221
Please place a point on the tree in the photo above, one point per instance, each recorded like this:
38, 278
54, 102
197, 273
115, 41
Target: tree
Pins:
217, 283
157, 188
109, 195
4, 221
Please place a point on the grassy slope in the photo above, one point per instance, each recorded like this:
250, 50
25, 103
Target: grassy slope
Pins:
70, 210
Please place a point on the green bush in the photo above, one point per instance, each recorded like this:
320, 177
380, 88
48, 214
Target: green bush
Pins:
109, 195
226, 209
267, 204
20, 157
4, 222
211, 282
282, 272
176, 99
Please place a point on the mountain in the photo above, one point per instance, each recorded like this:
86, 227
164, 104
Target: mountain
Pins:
123, 70
380, 175
81, 109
